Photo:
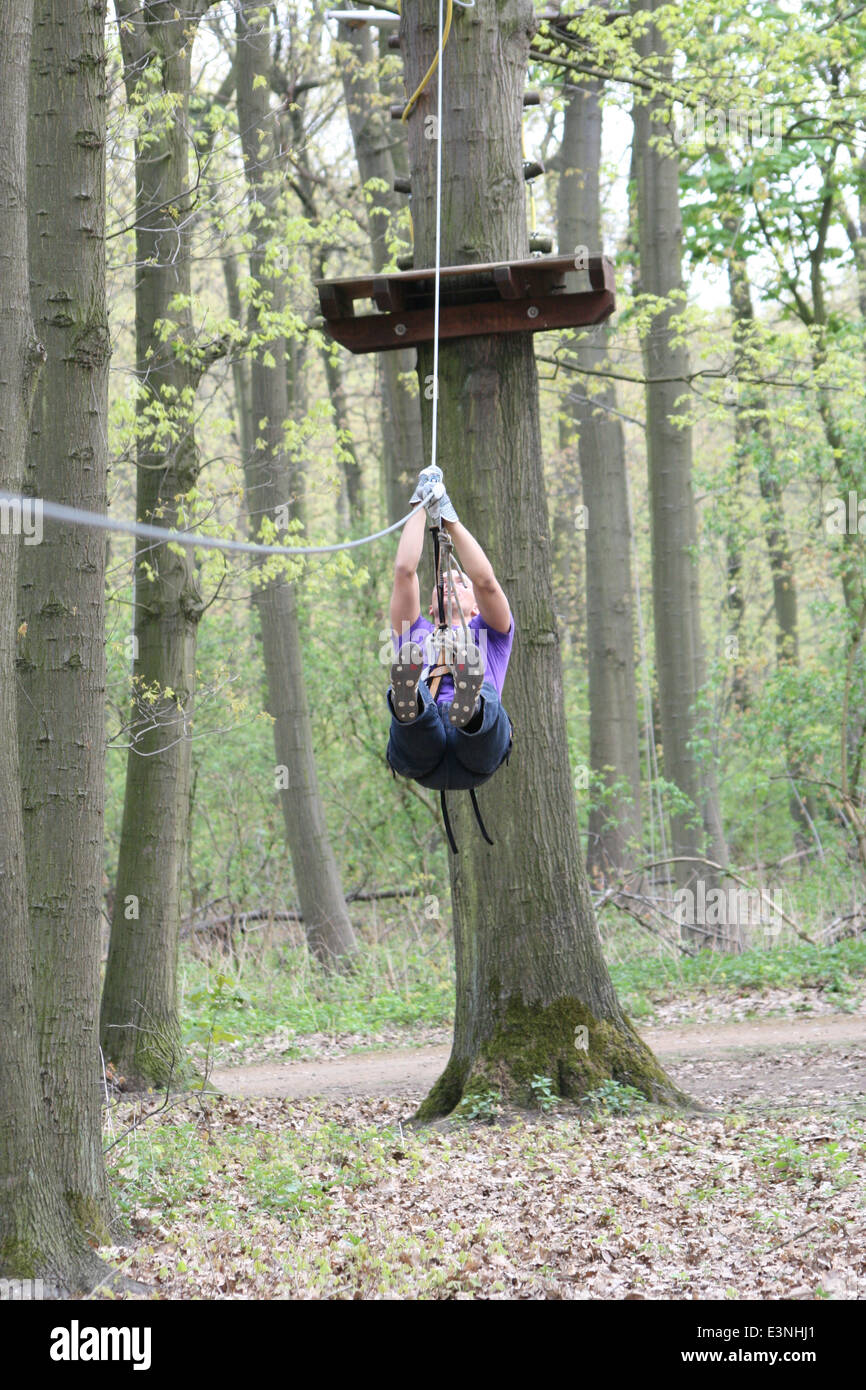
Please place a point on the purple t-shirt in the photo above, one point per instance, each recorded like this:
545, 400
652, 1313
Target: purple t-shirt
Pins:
495, 648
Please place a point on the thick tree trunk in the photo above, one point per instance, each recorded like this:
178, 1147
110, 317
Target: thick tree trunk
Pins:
530, 971
753, 437
564, 498
326, 919
61, 653
38, 1237
615, 827
140, 1027
676, 596
372, 133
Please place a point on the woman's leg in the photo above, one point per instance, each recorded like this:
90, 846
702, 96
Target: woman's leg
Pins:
482, 746
415, 749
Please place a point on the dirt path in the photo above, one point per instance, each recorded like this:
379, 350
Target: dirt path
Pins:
804, 1060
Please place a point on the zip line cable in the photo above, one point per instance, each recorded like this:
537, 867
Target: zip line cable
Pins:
76, 516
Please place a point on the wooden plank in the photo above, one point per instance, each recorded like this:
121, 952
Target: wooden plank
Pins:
361, 287
537, 276
380, 332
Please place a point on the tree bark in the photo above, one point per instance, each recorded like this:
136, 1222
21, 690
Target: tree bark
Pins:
615, 826
753, 437
530, 970
676, 594
327, 923
38, 1236
240, 368
350, 501
61, 653
373, 139
140, 1026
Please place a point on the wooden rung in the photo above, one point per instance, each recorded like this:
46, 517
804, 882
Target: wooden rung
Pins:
602, 275
503, 279
335, 302
388, 296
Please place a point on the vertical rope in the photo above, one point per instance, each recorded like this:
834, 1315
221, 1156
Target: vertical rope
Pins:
439, 133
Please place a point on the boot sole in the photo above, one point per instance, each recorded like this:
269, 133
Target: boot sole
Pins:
468, 674
405, 675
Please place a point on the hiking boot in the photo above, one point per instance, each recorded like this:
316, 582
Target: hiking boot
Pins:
468, 672
405, 675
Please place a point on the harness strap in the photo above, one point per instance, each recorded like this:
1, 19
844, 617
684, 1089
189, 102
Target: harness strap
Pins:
447, 823
481, 825
440, 589
446, 820
434, 678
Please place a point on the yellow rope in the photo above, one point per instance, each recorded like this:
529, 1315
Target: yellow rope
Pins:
532, 213
433, 66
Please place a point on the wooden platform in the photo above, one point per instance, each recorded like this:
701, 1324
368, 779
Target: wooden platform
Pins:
529, 296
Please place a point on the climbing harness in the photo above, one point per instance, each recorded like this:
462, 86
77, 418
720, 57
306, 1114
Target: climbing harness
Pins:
447, 569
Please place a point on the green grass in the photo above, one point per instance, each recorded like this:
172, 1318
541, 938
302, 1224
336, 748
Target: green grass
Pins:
643, 981
280, 994
284, 992
782, 1159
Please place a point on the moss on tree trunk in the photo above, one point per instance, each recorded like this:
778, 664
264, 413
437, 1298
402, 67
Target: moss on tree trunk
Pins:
561, 1041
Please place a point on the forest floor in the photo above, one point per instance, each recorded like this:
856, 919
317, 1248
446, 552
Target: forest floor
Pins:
303, 1179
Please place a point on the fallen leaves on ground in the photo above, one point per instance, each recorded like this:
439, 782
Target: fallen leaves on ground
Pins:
305, 1199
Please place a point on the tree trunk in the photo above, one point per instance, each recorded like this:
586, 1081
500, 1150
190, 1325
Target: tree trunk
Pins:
373, 138
754, 436
615, 826
240, 369
140, 1027
326, 919
676, 596
61, 654
533, 992
38, 1237
350, 501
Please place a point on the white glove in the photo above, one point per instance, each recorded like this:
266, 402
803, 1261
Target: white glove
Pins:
431, 490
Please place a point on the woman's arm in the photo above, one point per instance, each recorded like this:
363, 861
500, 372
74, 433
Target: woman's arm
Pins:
406, 593
492, 603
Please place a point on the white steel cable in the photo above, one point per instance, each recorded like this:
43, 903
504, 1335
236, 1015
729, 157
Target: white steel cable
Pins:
437, 277
76, 516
